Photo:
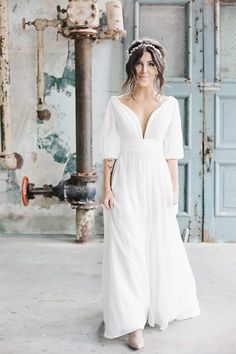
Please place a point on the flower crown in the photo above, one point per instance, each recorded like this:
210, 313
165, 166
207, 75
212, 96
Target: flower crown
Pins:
144, 45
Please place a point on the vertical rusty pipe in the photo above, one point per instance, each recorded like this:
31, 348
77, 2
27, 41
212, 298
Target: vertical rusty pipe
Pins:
40, 71
84, 218
7, 157
43, 112
83, 59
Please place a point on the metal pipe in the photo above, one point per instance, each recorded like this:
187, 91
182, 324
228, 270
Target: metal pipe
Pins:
7, 157
40, 25
84, 225
115, 21
84, 218
43, 112
83, 104
41, 106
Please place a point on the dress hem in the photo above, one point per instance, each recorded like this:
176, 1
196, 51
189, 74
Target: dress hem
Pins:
161, 328
179, 318
123, 333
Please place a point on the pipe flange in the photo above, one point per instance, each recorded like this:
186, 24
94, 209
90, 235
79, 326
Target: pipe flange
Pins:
90, 176
85, 205
82, 32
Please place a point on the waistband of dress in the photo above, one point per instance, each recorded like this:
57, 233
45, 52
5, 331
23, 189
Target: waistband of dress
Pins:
139, 145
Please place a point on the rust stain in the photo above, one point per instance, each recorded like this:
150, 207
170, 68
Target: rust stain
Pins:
207, 237
1, 45
34, 156
2, 129
19, 160
209, 2
14, 8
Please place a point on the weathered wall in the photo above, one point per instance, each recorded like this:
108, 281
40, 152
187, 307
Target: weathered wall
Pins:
47, 146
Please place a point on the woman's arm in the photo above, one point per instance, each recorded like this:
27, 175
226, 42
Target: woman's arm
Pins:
173, 167
108, 165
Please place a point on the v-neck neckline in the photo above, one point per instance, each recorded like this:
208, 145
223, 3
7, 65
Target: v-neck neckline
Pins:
143, 135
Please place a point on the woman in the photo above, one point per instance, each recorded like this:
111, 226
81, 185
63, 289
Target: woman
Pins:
146, 275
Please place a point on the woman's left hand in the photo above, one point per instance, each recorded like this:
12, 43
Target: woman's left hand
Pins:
175, 195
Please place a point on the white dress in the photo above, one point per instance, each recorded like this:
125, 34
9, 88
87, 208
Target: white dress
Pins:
146, 274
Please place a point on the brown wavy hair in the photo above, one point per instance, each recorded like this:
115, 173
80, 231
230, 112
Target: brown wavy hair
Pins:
135, 57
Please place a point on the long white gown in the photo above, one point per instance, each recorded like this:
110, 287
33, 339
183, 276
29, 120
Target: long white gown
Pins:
146, 274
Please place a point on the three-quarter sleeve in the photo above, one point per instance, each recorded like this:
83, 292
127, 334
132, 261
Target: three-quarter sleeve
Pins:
173, 139
109, 136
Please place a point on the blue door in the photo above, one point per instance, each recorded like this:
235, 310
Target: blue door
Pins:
219, 121
178, 26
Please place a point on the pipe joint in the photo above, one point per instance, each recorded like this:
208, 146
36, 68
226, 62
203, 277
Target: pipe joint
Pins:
79, 191
41, 23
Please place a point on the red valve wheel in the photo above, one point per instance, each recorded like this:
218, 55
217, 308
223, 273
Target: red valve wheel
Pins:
24, 190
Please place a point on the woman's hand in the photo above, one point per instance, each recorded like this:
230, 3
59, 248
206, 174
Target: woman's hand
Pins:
176, 199
108, 199
173, 168
175, 195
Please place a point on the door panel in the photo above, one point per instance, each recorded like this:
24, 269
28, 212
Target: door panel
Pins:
177, 25
227, 40
170, 19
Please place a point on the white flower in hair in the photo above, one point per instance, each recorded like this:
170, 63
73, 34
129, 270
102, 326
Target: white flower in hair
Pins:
144, 45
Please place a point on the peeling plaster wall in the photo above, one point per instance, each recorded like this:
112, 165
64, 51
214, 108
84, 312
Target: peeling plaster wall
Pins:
48, 147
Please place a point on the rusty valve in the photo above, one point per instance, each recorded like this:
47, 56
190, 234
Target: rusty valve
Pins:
28, 23
79, 191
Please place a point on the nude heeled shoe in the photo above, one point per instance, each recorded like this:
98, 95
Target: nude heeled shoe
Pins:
136, 340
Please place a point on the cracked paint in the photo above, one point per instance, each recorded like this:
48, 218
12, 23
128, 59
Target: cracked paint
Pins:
68, 77
55, 146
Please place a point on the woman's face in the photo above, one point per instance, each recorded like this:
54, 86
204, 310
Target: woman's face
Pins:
146, 70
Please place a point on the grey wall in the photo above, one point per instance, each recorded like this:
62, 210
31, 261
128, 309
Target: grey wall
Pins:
46, 147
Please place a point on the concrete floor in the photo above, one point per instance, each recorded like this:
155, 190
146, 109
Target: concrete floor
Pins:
50, 300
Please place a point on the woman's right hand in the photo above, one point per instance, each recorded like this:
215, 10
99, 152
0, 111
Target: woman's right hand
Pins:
108, 199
